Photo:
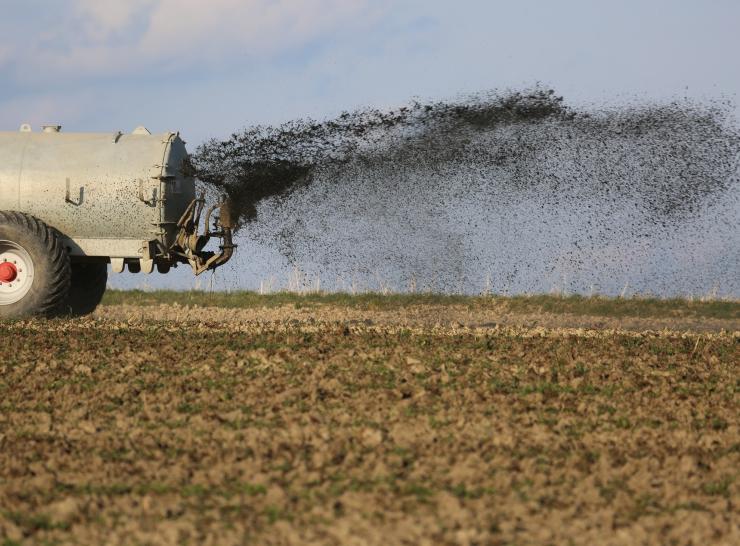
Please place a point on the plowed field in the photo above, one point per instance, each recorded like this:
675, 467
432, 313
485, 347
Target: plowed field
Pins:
337, 424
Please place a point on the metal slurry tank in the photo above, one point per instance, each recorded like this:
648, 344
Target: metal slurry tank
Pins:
124, 199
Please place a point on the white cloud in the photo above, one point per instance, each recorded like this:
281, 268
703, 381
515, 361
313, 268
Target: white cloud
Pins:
103, 18
120, 37
252, 25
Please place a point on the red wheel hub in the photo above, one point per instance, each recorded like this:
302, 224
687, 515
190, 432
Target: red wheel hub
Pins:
8, 272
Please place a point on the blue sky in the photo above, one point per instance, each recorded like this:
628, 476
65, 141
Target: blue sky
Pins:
207, 68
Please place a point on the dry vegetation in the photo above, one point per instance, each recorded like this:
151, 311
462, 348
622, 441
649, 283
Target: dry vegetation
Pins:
348, 422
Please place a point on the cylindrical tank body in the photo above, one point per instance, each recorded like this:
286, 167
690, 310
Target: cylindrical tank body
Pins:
97, 186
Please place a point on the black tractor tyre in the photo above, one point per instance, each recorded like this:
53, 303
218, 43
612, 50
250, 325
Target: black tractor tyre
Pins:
86, 291
46, 266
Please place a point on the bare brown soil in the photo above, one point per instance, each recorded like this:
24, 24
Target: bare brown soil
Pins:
332, 425
452, 318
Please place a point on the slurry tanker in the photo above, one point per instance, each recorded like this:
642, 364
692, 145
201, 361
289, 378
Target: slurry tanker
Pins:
71, 204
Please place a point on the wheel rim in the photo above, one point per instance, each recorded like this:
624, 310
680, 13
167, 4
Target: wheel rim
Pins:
16, 272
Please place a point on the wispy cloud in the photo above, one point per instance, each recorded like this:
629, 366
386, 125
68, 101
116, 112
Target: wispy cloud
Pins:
6, 53
103, 19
